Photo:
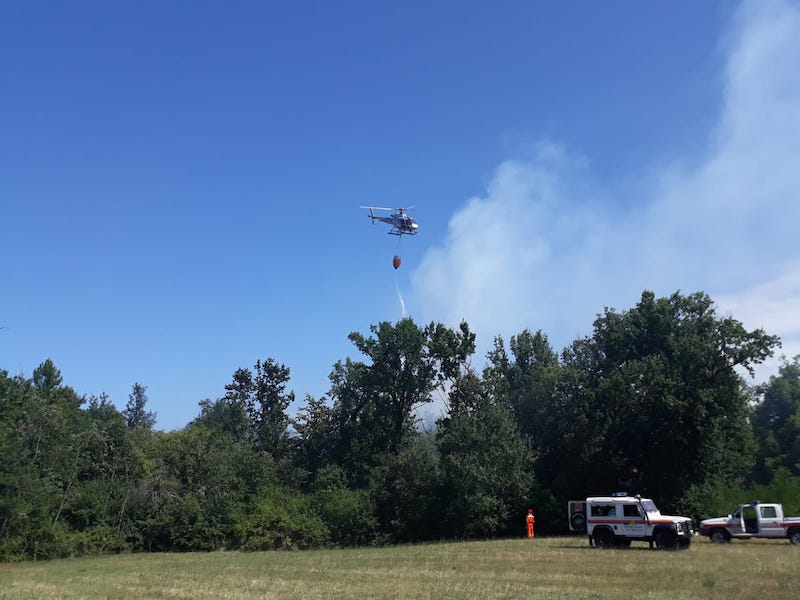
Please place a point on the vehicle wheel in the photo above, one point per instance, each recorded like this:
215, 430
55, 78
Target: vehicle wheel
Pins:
666, 540
794, 536
578, 521
603, 538
718, 536
684, 544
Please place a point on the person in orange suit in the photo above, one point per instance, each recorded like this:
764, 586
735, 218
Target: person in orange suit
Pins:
530, 520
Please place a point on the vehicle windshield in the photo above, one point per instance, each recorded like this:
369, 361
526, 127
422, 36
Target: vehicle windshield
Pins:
649, 506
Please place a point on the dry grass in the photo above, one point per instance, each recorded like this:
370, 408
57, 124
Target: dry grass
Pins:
545, 568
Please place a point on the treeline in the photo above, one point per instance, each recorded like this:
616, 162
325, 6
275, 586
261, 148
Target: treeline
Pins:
651, 402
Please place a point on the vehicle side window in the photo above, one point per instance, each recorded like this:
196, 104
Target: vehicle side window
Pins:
768, 512
603, 510
630, 510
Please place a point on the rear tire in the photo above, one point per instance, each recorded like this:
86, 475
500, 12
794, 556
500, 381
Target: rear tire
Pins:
794, 536
603, 538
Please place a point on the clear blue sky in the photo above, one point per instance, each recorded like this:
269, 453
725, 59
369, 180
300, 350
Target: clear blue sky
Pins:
180, 182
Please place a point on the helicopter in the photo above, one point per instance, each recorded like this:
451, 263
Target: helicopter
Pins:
401, 223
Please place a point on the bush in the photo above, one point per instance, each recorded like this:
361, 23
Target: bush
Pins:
48, 542
98, 540
183, 526
12, 549
280, 522
348, 515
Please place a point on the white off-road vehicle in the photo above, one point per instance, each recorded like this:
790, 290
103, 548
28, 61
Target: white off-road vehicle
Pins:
619, 519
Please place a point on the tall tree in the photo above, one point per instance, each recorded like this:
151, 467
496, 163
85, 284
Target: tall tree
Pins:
269, 417
371, 409
264, 398
487, 468
136, 414
44, 441
225, 414
407, 364
776, 423
46, 377
662, 408
527, 379
22, 491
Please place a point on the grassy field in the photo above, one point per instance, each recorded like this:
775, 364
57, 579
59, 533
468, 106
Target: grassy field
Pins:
561, 567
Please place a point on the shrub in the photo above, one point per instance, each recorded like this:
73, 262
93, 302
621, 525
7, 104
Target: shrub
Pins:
348, 515
98, 540
280, 521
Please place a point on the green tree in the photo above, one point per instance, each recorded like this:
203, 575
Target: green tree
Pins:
527, 379
487, 468
263, 396
22, 490
661, 408
45, 439
61, 449
407, 363
136, 414
46, 377
407, 492
776, 423
324, 433
116, 459
269, 417
199, 482
349, 514
225, 414
370, 413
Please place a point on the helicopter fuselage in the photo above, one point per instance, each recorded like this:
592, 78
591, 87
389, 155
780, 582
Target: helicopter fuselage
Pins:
401, 223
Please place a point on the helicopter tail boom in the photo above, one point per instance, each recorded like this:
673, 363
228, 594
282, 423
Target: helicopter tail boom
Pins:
371, 214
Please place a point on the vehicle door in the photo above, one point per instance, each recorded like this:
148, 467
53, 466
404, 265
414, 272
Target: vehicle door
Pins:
750, 518
736, 522
635, 521
770, 523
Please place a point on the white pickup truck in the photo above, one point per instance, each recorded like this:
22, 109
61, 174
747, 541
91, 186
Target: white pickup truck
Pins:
753, 520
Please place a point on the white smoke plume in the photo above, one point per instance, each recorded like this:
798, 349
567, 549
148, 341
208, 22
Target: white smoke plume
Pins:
542, 249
